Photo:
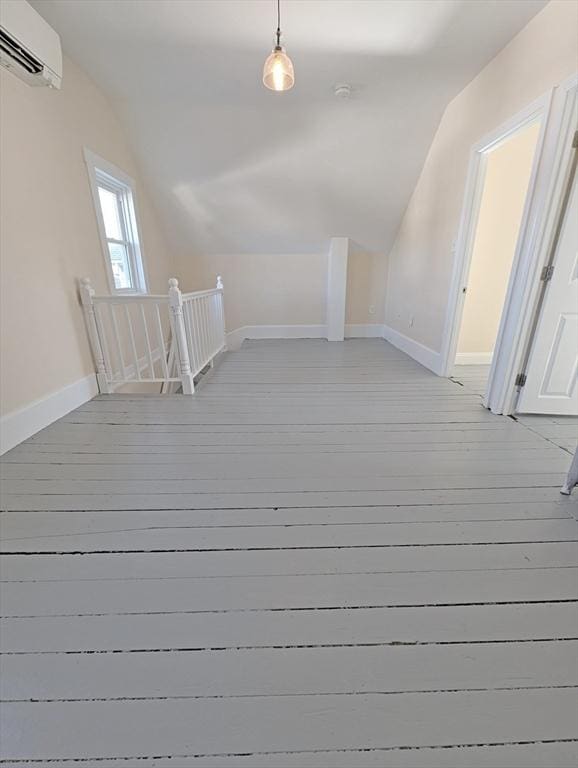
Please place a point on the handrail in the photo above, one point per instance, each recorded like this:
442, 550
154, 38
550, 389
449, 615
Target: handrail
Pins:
197, 294
163, 338
123, 298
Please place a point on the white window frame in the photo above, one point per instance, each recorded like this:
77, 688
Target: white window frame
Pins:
101, 173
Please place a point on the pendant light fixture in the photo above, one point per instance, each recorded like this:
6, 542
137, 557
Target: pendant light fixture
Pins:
278, 72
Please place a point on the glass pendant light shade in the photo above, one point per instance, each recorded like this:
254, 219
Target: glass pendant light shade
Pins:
278, 74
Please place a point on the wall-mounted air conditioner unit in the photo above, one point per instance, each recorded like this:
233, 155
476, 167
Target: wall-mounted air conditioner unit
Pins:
29, 47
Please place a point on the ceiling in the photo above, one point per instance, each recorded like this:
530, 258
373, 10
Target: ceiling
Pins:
235, 168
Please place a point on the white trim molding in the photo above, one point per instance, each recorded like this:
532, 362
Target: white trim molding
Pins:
364, 331
237, 337
25, 422
426, 356
514, 337
557, 125
537, 110
474, 358
125, 186
337, 287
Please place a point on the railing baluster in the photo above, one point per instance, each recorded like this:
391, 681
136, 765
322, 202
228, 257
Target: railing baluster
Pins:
117, 342
213, 325
103, 337
221, 314
196, 326
161, 342
149, 351
197, 333
202, 350
222, 329
207, 354
188, 306
132, 342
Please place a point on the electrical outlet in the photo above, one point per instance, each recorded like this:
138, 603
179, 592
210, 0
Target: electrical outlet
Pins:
371, 309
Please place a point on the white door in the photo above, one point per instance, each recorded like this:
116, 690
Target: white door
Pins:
552, 372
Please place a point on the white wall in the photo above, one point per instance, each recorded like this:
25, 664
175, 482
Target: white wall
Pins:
508, 170
542, 55
49, 234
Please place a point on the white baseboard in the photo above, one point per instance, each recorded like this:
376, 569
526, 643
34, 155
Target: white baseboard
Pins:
21, 424
352, 331
237, 337
364, 331
424, 355
429, 358
474, 358
234, 339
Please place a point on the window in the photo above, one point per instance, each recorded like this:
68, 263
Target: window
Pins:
113, 195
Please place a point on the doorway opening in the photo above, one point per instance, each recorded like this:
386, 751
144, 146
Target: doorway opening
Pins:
504, 177
528, 318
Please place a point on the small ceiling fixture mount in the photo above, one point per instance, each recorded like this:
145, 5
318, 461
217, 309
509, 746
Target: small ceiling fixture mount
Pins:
342, 91
278, 74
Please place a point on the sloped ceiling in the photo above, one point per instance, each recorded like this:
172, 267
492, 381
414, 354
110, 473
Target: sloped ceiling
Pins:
235, 168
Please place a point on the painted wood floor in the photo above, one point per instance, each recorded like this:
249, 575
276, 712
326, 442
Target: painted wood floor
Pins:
328, 557
560, 430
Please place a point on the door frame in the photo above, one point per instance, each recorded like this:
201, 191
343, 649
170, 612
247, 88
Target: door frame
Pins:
558, 198
531, 249
538, 110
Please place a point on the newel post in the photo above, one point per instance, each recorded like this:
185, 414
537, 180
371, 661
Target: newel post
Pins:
86, 298
178, 325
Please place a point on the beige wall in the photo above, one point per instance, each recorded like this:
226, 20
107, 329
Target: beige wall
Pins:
542, 55
280, 289
508, 170
366, 285
49, 235
287, 289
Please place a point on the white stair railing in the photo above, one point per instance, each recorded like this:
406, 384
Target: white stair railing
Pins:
153, 339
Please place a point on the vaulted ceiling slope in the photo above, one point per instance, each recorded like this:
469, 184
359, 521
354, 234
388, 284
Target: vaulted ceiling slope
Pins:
236, 168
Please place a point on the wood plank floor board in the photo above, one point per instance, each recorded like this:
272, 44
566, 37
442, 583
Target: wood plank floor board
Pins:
561, 431
270, 486
518, 490
287, 672
272, 724
304, 537
164, 455
34, 524
245, 563
315, 466
325, 546
290, 592
474, 624
533, 754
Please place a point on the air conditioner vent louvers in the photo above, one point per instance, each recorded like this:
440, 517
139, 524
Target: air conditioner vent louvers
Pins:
19, 54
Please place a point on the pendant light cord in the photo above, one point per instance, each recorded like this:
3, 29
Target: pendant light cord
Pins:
278, 23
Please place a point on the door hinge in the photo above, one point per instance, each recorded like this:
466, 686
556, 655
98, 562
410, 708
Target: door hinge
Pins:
547, 273
575, 140
521, 379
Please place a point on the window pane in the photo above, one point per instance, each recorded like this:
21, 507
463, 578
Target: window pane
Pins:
109, 206
120, 266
